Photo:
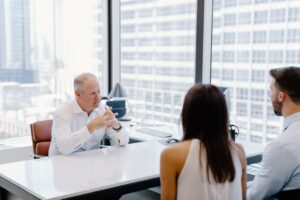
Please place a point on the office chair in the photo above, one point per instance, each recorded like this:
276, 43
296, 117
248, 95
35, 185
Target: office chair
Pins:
255, 158
41, 137
287, 195
117, 106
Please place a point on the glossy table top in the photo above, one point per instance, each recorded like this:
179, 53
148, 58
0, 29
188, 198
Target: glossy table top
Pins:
133, 127
81, 173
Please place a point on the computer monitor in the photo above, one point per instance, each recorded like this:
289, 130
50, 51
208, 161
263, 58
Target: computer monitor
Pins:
226, 93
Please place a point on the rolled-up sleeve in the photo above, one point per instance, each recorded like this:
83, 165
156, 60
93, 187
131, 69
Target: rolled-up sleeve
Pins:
66, 140
276, 169
120, 137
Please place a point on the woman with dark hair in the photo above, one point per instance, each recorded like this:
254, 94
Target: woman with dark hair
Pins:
206, 164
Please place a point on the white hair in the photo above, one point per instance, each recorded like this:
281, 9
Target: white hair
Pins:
81, 79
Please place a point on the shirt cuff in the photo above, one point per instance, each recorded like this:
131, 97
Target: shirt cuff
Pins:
123, 138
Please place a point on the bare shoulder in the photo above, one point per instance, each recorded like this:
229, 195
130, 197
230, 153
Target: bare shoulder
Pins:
238, 148
177, 148
177, 152
240, 151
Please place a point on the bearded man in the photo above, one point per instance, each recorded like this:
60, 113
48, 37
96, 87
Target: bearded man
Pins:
280, 169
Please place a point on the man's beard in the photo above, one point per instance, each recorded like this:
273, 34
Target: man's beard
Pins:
277, 107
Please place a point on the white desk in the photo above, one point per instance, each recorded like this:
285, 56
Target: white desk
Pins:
85, 174
132, 128
253, 151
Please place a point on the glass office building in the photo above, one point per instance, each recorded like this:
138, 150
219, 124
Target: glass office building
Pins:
157, 57
249, 38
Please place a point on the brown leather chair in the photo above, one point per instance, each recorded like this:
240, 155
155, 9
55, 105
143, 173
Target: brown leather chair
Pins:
41, 137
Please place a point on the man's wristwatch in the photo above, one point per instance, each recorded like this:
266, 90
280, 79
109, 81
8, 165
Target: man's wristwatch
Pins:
117, 129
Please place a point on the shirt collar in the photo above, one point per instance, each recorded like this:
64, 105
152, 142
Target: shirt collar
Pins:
78, 109
290, 119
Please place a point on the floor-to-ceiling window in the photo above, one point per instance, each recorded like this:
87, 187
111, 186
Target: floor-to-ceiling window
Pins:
43, 45
157, 56
249, 38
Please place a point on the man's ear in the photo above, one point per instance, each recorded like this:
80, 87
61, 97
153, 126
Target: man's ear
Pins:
77, 93
281, 96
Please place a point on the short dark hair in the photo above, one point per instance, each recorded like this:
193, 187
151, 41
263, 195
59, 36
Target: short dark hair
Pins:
205, 117
287, 79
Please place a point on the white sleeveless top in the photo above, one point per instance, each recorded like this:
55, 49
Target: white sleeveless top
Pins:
192, 183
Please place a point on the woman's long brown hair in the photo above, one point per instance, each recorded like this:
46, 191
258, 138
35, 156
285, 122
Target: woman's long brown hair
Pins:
205, 117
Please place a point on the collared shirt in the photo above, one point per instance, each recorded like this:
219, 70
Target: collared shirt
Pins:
280, 168
70, 133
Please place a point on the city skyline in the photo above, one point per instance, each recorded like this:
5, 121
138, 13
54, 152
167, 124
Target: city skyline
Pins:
157, 49
40, 56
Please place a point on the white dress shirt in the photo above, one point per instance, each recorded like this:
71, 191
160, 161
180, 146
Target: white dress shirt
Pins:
70, 133
280, 163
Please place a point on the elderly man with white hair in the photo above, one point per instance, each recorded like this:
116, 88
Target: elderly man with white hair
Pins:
81, 124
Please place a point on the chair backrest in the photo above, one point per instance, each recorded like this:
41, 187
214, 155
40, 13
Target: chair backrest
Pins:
287, 195
41, 137
117, 106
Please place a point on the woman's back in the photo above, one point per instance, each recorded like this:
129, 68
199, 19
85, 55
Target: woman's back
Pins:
183, 174
192, 182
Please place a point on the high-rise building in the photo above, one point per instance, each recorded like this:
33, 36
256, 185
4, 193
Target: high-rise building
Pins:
2, 36
43, 45
15, 65
16, 33
157, 55
157, 48
249, 38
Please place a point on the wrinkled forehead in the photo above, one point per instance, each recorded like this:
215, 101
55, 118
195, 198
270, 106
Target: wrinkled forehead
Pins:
91, 84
